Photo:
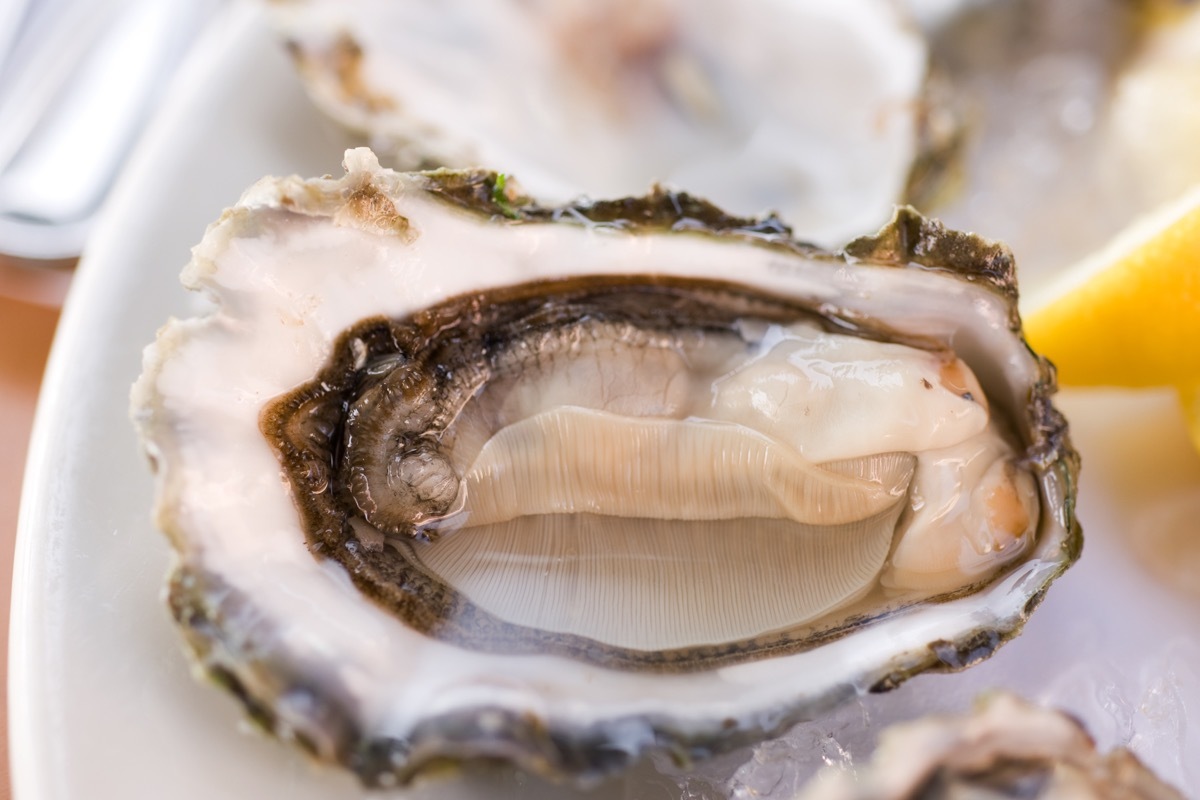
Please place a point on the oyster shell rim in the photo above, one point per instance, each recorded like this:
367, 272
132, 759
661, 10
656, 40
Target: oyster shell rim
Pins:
586, 754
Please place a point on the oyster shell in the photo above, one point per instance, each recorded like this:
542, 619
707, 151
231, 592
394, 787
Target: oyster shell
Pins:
1007, 747
746, 105
745, 537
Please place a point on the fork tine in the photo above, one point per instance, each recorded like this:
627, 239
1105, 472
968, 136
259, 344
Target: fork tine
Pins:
67, 132
53, 41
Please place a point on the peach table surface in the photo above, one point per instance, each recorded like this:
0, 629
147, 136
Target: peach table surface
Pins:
29, 301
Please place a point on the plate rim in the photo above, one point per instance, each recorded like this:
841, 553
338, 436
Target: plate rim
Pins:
32, 759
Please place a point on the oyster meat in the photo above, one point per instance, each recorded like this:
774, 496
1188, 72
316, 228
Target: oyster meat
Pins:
746, 104
451, 474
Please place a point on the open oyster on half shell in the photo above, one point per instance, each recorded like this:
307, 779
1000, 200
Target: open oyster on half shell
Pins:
454, 475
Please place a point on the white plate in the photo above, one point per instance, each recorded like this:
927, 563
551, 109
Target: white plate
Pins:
102, 701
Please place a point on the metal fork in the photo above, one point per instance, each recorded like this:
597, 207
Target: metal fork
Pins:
78, 80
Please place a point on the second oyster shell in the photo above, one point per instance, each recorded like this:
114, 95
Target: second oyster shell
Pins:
1006, 747
801, 107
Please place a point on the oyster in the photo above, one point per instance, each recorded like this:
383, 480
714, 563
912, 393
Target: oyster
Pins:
453, 475
1006, 747
744, 104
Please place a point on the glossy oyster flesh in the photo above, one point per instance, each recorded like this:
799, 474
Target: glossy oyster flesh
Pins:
810, 109
453, 475
1006, 747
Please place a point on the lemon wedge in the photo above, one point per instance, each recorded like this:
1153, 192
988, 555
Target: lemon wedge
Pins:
1129, 315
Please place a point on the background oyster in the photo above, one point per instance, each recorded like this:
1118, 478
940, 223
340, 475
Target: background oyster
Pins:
1006, 747
368, 327
746, 104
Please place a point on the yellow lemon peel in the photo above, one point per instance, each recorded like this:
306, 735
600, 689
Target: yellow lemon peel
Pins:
1190, 397
1129, 315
